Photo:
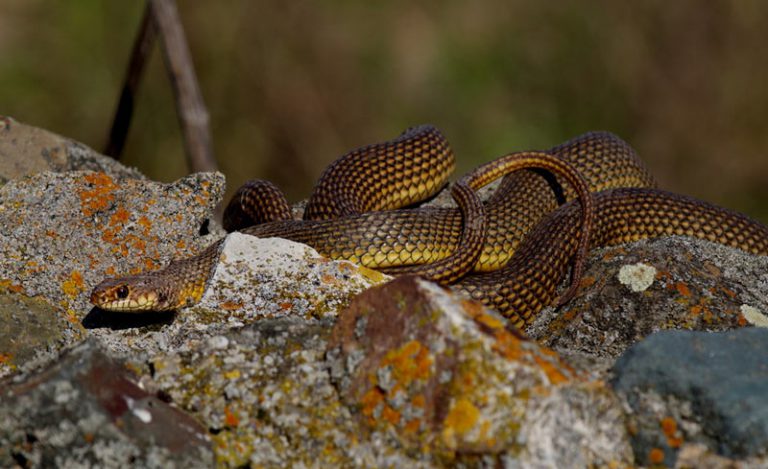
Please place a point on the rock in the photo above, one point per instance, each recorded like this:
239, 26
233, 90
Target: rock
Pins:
633, 290
268, 278
693, 387
86, 411
27, 150
265, 393
32, 331
444, 376
60, 234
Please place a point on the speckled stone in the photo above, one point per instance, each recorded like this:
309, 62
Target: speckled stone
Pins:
32, 331
268, 278
697, 285
86, 411
27, 150
444, 375
62, 233
696, 387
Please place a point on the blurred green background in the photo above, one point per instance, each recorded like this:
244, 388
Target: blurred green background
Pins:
292, 85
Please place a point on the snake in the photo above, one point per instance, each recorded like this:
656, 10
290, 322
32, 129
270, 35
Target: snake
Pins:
511, 252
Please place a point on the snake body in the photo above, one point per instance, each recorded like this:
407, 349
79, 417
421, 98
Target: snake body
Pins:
514, 271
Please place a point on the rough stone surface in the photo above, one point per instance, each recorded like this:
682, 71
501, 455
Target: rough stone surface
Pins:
443, 373
705, 388
86, 411
265, 393
32, 331
60, 234
697, 285
268, 278
27, 150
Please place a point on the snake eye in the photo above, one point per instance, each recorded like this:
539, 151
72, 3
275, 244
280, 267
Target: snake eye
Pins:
122, 292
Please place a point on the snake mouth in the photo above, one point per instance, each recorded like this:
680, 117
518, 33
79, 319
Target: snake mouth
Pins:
144, 302
127, 295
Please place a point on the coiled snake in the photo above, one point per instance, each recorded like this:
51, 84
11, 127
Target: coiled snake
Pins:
510, 252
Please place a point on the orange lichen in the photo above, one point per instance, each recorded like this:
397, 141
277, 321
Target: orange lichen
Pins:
120, 217
144, 222
683, 289
507, 345
5, 357
410, 362
230, 418
370, 401
669, 427
286, 305
412, 426
230, 306
553, 373
98, 195
656, 455
390, 415
587, 282
328, 279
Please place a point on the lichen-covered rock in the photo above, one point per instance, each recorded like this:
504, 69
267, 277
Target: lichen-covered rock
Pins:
267, 278
444, 375
32, 331
85, 411
265, 393
62, 233
692, 387
27, 150
632, 290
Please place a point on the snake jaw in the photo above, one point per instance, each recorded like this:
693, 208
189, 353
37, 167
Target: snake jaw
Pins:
131, 294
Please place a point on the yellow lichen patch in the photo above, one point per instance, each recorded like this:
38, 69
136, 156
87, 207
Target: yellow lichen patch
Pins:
74, 285
410, 362
553, 372
461, 419
372, 275
234, 374
98, 195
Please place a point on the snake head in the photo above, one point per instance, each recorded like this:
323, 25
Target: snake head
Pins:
133, 294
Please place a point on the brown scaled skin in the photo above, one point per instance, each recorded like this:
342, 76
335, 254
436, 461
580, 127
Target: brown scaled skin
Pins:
518, 288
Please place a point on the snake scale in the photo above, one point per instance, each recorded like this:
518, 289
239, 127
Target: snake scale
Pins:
510, 252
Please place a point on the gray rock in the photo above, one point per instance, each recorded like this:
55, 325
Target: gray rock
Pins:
443, 376
32, 331
27, 150
694, 387
266, 395
633, 290
86, 411
62, 233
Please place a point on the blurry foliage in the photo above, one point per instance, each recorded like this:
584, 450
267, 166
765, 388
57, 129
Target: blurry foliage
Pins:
292, 85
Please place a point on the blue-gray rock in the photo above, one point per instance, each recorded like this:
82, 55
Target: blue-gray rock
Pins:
696, 387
